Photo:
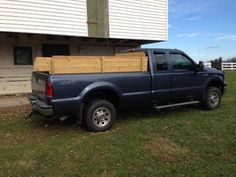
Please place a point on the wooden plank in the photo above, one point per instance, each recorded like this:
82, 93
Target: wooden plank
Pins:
102, 64
122, 62
75, 57
15, 87
121, 69
141, 64
140, 54
144, 63
92, 57
42, 64
125, 65
67, 66
15, 72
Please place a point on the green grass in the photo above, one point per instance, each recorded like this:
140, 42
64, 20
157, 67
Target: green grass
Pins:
184, 141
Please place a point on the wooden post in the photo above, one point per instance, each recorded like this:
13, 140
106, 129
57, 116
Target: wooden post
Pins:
102, 64
141, 69
98, 18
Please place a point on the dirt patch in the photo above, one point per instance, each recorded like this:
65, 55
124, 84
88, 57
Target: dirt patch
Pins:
15, 111
166, 150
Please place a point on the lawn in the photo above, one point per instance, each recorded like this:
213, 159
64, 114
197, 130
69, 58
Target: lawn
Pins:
185, 141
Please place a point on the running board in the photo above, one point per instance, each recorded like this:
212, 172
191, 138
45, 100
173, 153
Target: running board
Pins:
178, 104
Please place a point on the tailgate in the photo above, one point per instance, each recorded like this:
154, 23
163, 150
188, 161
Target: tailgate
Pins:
38, 85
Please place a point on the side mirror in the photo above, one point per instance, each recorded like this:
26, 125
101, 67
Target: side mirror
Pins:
201, 66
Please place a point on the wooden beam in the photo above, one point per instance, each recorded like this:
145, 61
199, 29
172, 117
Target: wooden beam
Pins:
130, 54
42, 64
98, 18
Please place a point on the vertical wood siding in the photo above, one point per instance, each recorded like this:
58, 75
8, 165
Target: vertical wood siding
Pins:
98, 18
57, 17
135, 19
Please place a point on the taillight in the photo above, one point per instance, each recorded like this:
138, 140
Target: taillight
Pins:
48, 90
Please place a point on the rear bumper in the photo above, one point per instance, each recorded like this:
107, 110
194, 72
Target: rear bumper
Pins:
41, 107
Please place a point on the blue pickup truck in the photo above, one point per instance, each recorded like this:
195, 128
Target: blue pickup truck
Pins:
173, 79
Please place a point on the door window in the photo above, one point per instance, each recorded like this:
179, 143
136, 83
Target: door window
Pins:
161, 62
181, 62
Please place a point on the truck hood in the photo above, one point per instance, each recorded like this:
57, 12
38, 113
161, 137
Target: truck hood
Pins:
213, 70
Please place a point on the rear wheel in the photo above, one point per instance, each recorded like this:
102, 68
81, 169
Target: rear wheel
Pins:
100, 116
212, 100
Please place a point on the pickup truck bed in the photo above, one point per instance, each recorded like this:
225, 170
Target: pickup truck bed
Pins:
70, 89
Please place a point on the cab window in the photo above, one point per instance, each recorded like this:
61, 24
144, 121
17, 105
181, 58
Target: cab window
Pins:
181, 62
161, 62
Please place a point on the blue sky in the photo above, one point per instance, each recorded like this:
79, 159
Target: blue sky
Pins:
205, 29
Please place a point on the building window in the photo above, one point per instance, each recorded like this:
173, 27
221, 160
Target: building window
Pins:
23, 56
50, 50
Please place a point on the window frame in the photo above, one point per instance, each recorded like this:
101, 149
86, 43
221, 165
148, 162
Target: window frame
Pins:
28, 49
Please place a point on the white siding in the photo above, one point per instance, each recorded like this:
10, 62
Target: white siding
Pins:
129, 19
136, 19
57, 17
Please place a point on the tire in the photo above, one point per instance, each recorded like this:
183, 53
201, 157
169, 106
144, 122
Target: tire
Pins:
100, 116
213, 97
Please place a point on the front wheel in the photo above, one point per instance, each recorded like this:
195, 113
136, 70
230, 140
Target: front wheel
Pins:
100, 116
212, 100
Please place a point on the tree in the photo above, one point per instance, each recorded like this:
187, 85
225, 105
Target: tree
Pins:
217, 63
233, 59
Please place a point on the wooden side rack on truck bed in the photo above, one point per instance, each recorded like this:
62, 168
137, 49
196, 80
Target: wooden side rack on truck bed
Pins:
122, 62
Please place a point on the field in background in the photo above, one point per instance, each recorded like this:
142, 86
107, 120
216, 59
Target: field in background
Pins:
184, 141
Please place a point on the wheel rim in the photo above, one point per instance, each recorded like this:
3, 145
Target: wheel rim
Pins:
101, 117
214, 99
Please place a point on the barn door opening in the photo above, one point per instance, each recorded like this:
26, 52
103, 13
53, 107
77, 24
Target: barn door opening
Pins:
98, 18
49, 50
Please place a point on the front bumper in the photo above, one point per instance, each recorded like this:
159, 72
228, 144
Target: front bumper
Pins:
40, 107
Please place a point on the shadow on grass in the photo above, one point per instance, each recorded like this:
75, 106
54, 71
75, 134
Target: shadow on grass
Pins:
147, 113
124, 116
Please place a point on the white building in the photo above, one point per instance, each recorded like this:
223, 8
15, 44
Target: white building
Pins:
31, 28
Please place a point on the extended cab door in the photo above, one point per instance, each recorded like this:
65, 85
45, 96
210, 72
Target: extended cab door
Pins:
186, 83
161, 83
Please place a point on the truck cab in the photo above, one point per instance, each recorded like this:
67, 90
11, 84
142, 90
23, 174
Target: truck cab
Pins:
177, 78
172, 79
